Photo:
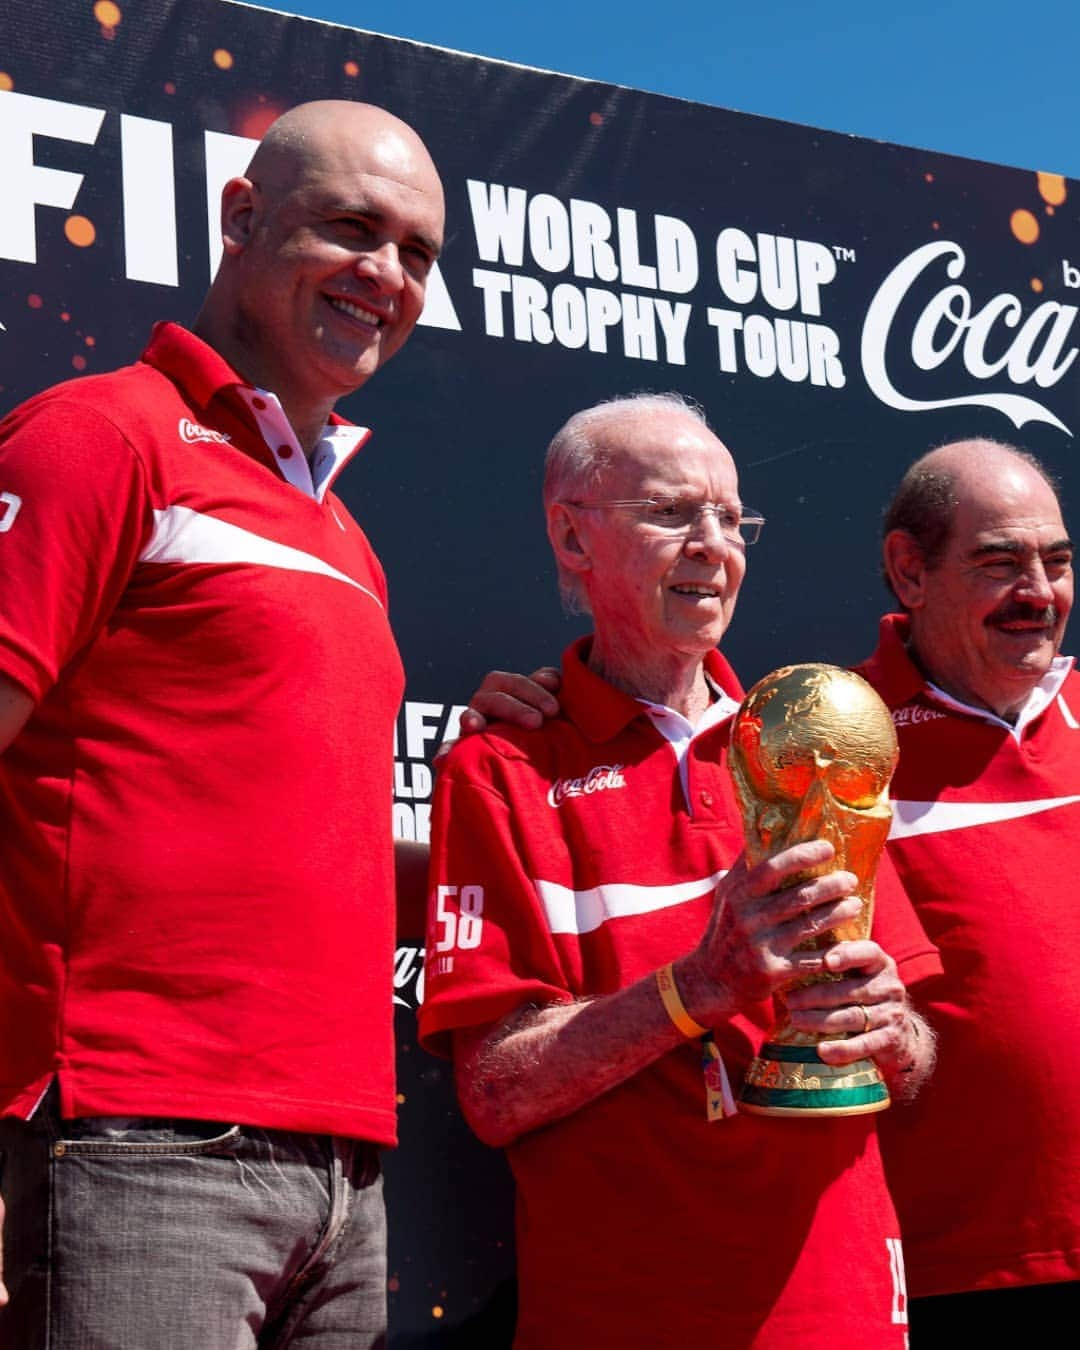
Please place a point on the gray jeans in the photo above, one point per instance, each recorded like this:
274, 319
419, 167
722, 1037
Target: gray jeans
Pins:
151, 1234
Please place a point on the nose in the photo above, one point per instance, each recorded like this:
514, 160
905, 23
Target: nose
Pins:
382, 266
1033, 585
706, 538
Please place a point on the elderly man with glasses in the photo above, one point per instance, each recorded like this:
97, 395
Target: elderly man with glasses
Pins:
601, 960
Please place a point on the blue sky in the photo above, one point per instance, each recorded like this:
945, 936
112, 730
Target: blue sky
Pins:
983, 78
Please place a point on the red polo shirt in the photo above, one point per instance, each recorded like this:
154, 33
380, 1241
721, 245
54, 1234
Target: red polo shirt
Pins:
196, 886
570, 862
985, 1165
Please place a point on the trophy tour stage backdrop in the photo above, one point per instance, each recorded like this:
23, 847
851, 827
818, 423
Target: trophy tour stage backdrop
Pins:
837, 305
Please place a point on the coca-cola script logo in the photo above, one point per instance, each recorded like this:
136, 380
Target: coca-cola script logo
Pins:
992, 341
191, 432
598, 778
409, 977
911, 716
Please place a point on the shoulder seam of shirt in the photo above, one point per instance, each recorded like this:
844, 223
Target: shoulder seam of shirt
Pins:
83, 408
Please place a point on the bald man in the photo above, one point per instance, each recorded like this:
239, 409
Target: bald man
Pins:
196, 879
985, 1167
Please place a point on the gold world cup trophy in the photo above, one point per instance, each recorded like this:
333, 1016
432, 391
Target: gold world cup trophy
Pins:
812, 752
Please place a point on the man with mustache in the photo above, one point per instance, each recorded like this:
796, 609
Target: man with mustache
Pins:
985, 1166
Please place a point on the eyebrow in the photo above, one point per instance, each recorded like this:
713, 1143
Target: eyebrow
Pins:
359, 209
1015, 549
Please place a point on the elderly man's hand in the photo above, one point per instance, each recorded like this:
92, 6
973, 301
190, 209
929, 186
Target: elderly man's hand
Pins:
869, 1005
748, 950
522, 700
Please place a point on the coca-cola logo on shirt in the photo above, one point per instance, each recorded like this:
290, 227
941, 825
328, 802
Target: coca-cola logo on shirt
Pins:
598, 778
911, 716
969, 337
191, 432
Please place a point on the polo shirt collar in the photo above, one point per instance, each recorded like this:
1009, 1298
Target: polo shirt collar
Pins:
193, 365
1036, 703
600, 711
202, 373
891, 670
898, 679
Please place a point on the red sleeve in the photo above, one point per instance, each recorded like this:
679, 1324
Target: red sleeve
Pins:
898, 929
75, 516
489, 946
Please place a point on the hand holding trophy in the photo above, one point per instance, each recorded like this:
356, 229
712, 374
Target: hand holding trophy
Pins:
812, 752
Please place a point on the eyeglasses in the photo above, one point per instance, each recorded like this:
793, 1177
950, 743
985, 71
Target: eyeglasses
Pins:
680, 515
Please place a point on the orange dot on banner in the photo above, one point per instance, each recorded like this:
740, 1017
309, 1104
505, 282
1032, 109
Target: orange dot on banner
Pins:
223, 59
1024, 225
351, 69
6, 82
34, 301
90, 341
393, 1284
169, 87
65, 317
437, 1311
107, 14
929, 177
1051, 188
80, 231
79, 362
597, 119
1036, 285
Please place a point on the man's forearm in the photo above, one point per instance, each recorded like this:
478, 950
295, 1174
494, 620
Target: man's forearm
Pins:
542, 1064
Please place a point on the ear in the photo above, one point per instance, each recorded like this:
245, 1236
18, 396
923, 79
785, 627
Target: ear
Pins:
569, 546
905, 566
239, 213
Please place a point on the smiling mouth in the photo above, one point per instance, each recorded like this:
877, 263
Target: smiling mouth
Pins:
1024, 630
697, 591
1027, 622
365, 316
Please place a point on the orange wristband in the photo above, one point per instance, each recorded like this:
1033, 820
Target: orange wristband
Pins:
673, 1004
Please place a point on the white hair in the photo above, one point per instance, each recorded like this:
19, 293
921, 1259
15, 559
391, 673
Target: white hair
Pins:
578, 457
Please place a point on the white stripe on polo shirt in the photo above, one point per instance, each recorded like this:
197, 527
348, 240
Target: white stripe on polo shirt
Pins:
185, 536
914, 818
578, 912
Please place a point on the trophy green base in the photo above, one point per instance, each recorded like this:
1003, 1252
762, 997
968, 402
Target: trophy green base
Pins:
791, 1080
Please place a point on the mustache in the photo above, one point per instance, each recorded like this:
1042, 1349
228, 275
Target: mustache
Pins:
1017, 612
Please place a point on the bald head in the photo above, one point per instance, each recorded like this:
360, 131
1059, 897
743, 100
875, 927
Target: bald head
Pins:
313, 137
327, 243
926, 501
581, 449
